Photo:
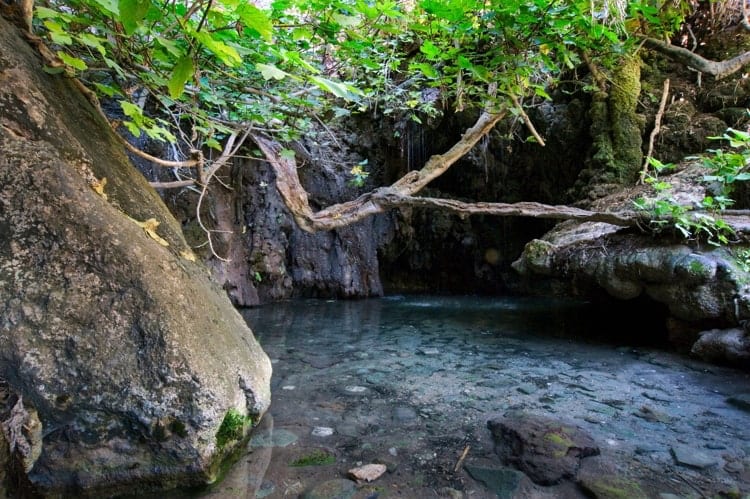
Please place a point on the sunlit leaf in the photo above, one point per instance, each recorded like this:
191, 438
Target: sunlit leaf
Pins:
226, 54
72, 61
132, 13
181, 73
270, 71
254, 18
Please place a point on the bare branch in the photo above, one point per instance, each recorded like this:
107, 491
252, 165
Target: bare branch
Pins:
339, 215
229, 151
190, 163
657, 127
172, 185
528, 122
719, 69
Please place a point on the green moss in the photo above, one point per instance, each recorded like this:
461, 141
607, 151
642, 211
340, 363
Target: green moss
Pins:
560, 441
315, 458
626, 124
232, 427
616, 488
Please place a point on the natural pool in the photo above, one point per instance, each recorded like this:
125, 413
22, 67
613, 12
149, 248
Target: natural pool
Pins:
410, 382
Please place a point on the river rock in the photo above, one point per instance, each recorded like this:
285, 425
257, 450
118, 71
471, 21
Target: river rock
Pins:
602, 480
546, 449
505, 483
367, 473
723, 345
692, 457
129, 355
332, 489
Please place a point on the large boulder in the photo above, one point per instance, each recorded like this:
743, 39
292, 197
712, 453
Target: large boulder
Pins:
136, 366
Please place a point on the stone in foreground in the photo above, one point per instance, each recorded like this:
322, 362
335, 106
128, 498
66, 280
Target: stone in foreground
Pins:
545, 449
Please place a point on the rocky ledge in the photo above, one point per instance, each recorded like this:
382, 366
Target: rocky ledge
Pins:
705, 288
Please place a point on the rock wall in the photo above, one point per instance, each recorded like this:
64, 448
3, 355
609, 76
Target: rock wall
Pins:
113, 338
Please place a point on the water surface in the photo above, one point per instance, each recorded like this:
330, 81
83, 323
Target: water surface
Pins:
410, 382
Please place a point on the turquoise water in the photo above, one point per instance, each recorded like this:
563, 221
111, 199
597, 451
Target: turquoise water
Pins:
410, 382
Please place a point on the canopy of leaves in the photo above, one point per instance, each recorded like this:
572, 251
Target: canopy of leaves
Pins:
211, 66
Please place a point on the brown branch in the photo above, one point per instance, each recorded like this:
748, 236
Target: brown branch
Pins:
719, 69
339, 215
657, 127
522, 209
527, 121
196, 161
172, 185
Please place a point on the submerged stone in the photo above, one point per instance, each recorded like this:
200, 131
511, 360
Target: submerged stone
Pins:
692, 457
546, 449
274, 438
332, 489
504, 482
741, 401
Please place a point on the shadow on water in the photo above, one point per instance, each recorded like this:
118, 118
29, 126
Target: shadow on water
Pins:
411, 381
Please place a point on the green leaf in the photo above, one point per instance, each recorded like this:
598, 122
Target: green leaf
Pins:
338, 89
254, 18
226, 54
132, 13
107, 90
181, 73
170, 46
269, 71
430, 50
58, 33
73, 62
427, 69
110, 6
287, 154
213, 144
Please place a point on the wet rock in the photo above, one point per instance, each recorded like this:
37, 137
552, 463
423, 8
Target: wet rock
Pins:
652, 415
404, 414
429, 351
367, 473
692, 457
603, 481
506, 483
332, 489
528, 388
273, 438
723, 345
131, 356
322, 431
741, 401
546, 449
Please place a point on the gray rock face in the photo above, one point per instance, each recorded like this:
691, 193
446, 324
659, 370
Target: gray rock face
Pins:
723, 345
129, 356
698, 283
545, 449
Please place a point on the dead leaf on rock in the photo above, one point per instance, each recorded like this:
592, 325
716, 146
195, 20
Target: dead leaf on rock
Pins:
188, 255
149, 226
98, 186
367, 473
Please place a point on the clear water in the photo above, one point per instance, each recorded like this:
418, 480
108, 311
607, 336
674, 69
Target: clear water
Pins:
410, 382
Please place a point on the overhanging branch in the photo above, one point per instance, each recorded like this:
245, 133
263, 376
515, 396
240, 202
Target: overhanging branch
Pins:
718, 69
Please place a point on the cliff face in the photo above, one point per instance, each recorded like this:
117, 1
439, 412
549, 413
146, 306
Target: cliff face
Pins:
120, 359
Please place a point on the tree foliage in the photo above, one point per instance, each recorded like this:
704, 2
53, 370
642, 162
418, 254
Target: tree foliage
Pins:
208, 66
210, 73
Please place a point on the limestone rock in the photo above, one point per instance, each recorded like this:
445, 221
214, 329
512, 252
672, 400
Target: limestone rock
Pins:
693, 458
367, 473
723, 345
545, 449
131, 357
